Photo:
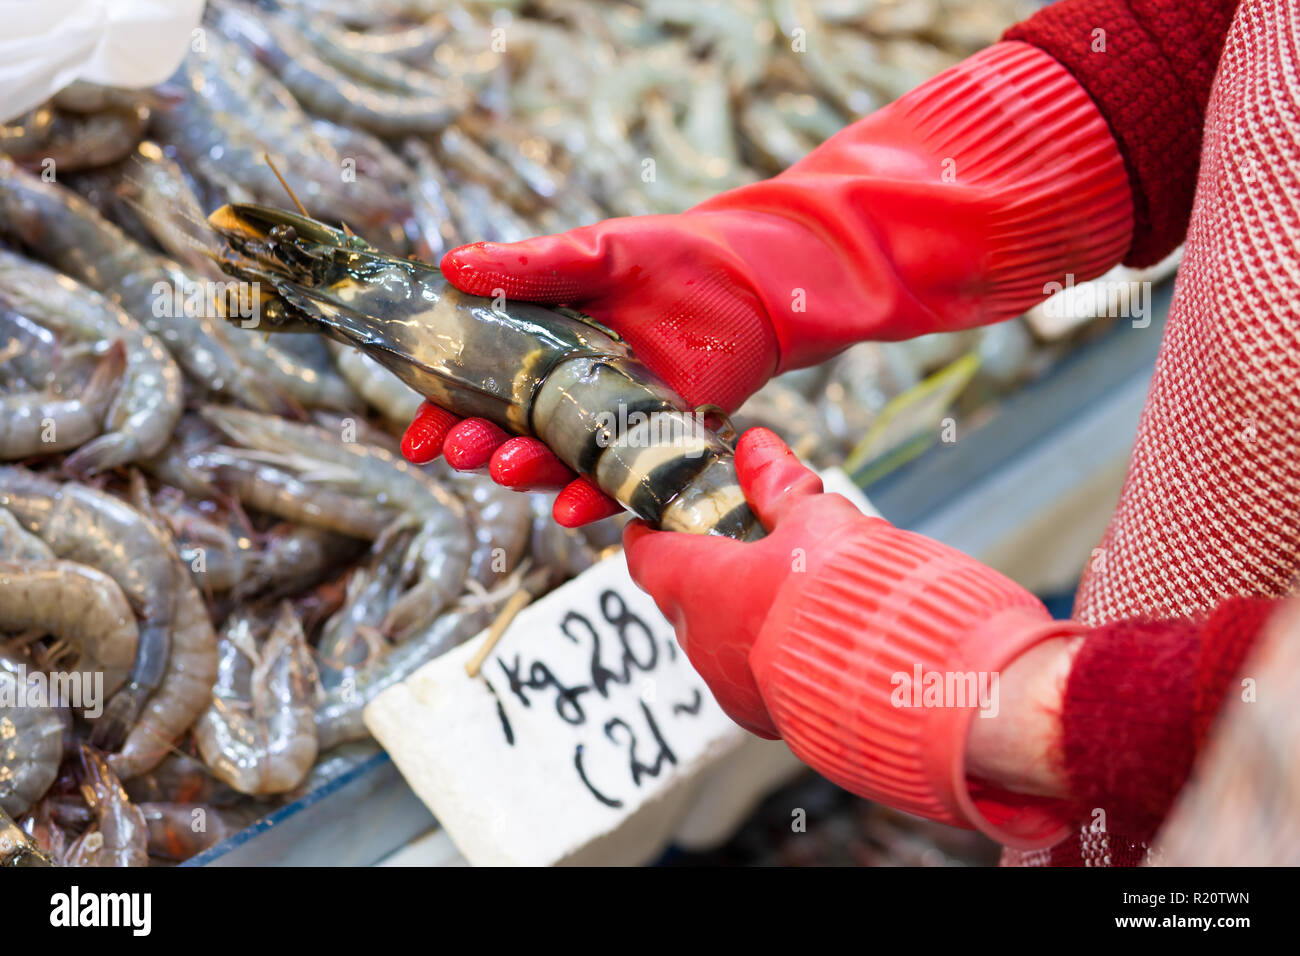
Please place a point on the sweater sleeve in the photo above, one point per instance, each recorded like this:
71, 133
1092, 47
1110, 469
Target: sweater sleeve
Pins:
1139, 703
1149, 66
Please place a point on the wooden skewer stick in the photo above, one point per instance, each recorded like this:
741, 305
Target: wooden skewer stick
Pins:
517, 602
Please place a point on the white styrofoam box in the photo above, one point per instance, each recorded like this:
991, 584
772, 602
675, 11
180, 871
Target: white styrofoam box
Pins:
586, 738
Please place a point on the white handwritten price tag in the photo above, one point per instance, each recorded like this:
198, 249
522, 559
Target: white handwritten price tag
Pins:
585, 737
584, 713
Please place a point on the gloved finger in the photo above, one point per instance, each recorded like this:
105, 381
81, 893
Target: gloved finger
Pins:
526, 464
470, 444
422, 442
544, 269
566, 267
582, 502
675, 568
772, 478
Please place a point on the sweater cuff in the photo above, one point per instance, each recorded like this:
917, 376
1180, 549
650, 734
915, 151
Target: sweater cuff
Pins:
1149, 66
1140, 700
1015, 124
874, 664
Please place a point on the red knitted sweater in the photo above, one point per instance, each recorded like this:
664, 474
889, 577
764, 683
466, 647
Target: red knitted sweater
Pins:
1204, 102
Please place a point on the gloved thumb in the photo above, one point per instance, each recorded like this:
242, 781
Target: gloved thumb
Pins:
656, 559
772, 478
567, 267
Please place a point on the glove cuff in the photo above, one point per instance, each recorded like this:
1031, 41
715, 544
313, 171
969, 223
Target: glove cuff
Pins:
1014, 120
872, 664
957, 205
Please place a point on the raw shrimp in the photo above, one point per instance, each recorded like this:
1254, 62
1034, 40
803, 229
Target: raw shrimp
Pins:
487, 218
150, 195
120, 836
28, 351
82, 96
354, 634
259, 735
64, 809
462, 154
78, 606
60, 227
704, 175
309, 387
606, 535
31, 739
382, 71
561, 552
180, 464
327, 91
339, 712
18, 848
358, 429
148, 403
178, 831
502, 520
808, 115
437, 559
294, 557
22, 133
276, 491
381, 389
413, 45
75, 141
90, 527
40, 423
219, 554
528, 368
180, 778
438, 214
185, 688
157, 195
19, 544
374, 13
533, 161
222, 556
777, 145
231, 113
373, 473
785, 411
45, 831
372, 158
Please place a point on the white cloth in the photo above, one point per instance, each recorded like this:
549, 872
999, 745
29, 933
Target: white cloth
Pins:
47, 44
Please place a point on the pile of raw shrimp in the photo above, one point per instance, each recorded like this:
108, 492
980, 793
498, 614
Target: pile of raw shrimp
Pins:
212, 555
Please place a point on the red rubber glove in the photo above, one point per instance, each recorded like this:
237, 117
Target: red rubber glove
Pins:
950, 208
809, 634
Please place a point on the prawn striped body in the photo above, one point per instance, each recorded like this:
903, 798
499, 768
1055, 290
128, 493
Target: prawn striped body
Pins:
528, 368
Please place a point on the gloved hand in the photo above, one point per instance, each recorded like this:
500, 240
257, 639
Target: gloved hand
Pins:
826, 632
951, 207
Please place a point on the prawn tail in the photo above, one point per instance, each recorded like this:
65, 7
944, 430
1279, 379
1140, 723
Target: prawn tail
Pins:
114, 725
106, 379
100, 454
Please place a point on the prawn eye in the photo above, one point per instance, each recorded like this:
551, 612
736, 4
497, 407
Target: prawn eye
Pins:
282, 233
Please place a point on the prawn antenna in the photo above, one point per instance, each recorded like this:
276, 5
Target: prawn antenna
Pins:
301, 208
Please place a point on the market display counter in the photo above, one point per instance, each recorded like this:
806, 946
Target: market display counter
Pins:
1029, 491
